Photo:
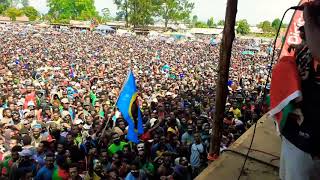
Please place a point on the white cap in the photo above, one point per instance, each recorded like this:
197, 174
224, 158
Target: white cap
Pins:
64, 100
30, 103
78, 121
152, 121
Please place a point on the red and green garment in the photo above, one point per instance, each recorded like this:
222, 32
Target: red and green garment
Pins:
285, 87
60, 174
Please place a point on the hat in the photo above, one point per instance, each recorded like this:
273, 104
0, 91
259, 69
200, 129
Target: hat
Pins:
64, 100
152, 121
19, 103
86, 127
25, 153
48, 139
168, 94
37, 126
31, 103
64, 114
86, 104
78, 121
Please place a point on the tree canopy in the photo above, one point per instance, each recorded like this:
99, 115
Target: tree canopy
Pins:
243, 27
144, 12
221, 23
13, 13
201, 24
211, 23
174, 10
266, 26
30, 12
106, 14
276, 24
72, 9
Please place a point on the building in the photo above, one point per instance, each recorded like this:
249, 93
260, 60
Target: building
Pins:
205, 31
22, 19
5, 20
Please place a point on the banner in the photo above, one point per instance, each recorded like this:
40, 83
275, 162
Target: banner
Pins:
292, 35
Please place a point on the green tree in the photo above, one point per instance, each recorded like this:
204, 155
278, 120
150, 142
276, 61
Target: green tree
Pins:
243, 27
85, 9
123, 10
174, 10
106, 14
194, 20
265, 26
5, 3
65, 10
276, 24
221, 23
30, 12
25, 3
141, 12
200, 24
13, 13
2, 8
62, 9
211, 23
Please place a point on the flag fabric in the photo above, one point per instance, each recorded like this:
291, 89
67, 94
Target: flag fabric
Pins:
129, 108
30, 97
292, 35
59, 174
285, 82
71, 72
285, 87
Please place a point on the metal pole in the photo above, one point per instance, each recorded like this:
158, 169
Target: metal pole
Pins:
222, 87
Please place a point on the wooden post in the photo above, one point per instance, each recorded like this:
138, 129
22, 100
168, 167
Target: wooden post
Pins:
222, 87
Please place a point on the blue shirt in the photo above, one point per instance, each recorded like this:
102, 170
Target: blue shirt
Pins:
196, 149
44, 174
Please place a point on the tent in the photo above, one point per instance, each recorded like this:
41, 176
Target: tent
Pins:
252, 48
105, 29
248, 53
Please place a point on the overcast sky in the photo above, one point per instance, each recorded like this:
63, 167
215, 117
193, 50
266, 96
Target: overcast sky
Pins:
254, 11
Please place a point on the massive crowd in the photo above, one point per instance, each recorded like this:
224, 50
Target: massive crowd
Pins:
58, 89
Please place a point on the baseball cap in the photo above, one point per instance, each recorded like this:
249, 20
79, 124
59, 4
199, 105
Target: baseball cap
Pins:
152, 121
78, 121
30, 103
65, 100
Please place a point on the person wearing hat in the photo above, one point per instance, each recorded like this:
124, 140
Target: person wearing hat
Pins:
36, 135
66, 107
23, 166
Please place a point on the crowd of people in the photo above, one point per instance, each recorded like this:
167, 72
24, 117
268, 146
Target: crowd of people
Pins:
59, 87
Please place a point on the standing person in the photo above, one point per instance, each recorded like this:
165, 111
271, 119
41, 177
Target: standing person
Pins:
300, 133
7, 117
117, 144
136, 173
45, 173
36, 136
73, 172
8, 162
197, 154
22, 166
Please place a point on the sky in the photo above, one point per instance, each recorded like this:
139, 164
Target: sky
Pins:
254, 11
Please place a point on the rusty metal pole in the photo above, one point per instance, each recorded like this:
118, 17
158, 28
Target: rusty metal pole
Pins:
223, 74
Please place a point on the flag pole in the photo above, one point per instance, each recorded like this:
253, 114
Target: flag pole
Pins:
222, 88
114, 107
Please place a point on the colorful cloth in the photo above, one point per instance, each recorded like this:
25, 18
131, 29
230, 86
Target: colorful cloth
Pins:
60, 174
285, 87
